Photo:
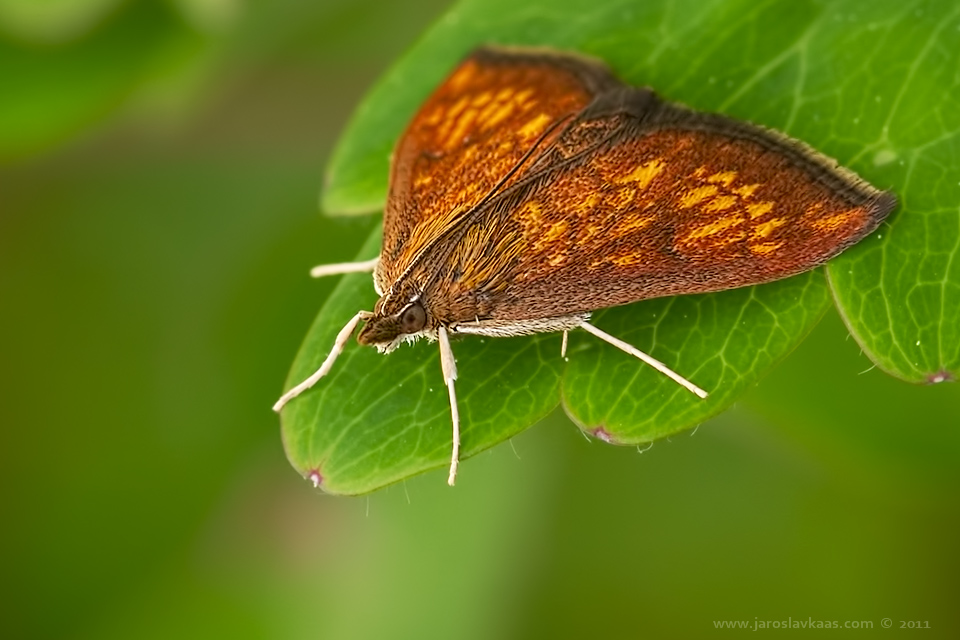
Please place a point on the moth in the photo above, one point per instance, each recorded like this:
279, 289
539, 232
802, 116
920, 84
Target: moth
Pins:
533, 187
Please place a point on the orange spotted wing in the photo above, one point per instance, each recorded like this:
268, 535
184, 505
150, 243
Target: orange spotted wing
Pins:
472, 136
638, 198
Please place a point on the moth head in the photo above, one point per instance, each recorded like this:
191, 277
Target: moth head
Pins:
389, 326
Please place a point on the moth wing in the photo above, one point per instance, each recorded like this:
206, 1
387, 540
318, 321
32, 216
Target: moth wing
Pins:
470, 133
667, 201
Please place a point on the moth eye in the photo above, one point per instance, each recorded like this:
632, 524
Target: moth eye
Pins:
413, 319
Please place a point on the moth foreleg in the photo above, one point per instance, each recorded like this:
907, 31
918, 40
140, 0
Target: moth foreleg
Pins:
344, 267
449, 367
324, 369
653, 362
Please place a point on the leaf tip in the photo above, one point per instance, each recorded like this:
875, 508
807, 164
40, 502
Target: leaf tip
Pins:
315, 477
604, 435
940, 376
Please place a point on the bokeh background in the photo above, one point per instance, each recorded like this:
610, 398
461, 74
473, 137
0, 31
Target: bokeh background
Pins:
161, 164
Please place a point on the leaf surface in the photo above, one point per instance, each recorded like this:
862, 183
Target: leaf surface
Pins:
874, 85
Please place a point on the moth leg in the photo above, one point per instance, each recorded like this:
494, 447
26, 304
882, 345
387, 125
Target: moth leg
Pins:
563, 345
653, 362
449, 367
344, 267
324, 369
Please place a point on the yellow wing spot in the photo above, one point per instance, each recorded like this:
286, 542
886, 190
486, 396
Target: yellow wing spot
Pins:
530, 210
504, 94
733, 237
585, 206
462, 76
587, 233
632, 222
758, 209
481, 99
746, 190
699, 194
492, 107
620, 199
535, 127
454, 112
498, 115
643, 175
468, 193
463, 125
830, 223
451, 117
724, 178
720, 203
627, 259
553, 233
522, 97
764, 248
422, 180
530, 216
714, 227
764, 229
434, 117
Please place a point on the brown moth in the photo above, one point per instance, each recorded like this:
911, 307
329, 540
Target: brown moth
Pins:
533, 187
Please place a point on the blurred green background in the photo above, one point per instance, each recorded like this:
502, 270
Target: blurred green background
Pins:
161, 163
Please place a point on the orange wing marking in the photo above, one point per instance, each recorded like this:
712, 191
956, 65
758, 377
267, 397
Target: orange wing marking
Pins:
643, 175
720, 203
462, 76
619, 199
553, 233
758, 209
831, 223
697, 195
764, 229
627, 259
464, 123
632, 222
746, 190
765, 247
482, 99
535, 127
713, 228
725, 178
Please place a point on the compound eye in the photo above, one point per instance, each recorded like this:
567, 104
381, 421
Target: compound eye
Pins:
413, 319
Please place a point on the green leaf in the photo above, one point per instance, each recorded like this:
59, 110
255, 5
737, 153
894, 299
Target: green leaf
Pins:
900, 293
722, 341
874, 85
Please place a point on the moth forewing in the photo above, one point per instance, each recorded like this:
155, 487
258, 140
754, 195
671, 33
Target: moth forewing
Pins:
533, 188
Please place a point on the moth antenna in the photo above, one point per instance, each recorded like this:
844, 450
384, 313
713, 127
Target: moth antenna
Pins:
653, 362
449, 367
344, 267
324, 369
563, 345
